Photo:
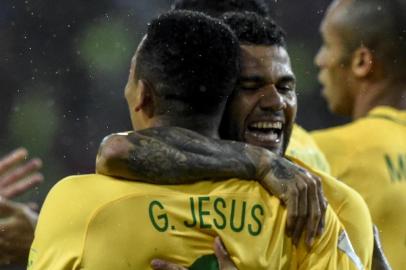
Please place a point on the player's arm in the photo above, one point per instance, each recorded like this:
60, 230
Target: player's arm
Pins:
179, 156
176, 156
17, 231
17, 175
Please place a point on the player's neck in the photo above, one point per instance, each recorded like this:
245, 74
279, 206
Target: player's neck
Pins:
206, 126
385, 93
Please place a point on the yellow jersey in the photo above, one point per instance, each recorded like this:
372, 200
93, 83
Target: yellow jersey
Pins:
369, 155
351, 210
346, 202
303, 147
96, 222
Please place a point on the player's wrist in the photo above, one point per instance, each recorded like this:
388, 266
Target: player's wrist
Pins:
263, 163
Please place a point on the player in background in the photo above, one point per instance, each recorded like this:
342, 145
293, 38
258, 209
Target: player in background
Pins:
362, 66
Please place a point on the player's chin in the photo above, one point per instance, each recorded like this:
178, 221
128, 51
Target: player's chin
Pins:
330, 100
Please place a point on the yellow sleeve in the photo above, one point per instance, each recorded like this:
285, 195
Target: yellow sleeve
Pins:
352, 212
356, 218
303, 147
59, 233
333, 250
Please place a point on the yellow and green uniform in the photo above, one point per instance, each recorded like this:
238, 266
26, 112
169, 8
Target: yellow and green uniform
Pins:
346, 202
96, 222
369, 155
352, 212
303, 147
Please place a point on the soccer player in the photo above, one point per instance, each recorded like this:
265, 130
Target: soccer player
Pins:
301, 145
182, 73
18, 220
362, 69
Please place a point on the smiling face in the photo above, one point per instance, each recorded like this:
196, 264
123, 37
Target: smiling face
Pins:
262, 109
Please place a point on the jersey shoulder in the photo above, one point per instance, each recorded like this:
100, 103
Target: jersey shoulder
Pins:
303, 147
336, 136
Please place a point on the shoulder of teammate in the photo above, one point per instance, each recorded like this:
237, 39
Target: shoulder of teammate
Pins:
338, 145
303, 147
345, 138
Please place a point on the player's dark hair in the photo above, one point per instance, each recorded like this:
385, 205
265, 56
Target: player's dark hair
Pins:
250, 28
380, 26
190, 59
217, 7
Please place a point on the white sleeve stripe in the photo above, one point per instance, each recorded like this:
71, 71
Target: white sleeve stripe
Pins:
344, 244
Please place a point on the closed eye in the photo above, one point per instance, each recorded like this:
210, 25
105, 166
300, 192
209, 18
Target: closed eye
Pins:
286, 84
251, 83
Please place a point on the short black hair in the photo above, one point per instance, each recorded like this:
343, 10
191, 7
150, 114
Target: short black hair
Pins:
378, 25
189, 58
216, 8
250, 28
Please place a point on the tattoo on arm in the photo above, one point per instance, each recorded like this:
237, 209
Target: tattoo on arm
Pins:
280, 170
178, 156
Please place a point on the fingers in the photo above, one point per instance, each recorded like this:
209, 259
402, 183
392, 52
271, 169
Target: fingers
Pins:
158, 264
224, 260
15, 177
292, 205
20, 172
313, 221
21, 186
323, 206
12, 159
302, 214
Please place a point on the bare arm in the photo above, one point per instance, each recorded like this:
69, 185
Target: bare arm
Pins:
178, 156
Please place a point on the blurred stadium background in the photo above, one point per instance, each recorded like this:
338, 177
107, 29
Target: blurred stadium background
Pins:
64, 65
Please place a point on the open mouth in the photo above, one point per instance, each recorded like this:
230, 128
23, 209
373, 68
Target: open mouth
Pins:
265, 132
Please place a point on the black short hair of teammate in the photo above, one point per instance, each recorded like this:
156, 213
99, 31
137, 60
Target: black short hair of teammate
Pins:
250, 28
381, 27
216, 8
191, 60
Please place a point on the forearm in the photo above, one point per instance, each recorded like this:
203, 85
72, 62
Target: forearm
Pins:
178, 156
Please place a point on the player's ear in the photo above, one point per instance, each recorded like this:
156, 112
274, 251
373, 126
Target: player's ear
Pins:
362, 62
144, 97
